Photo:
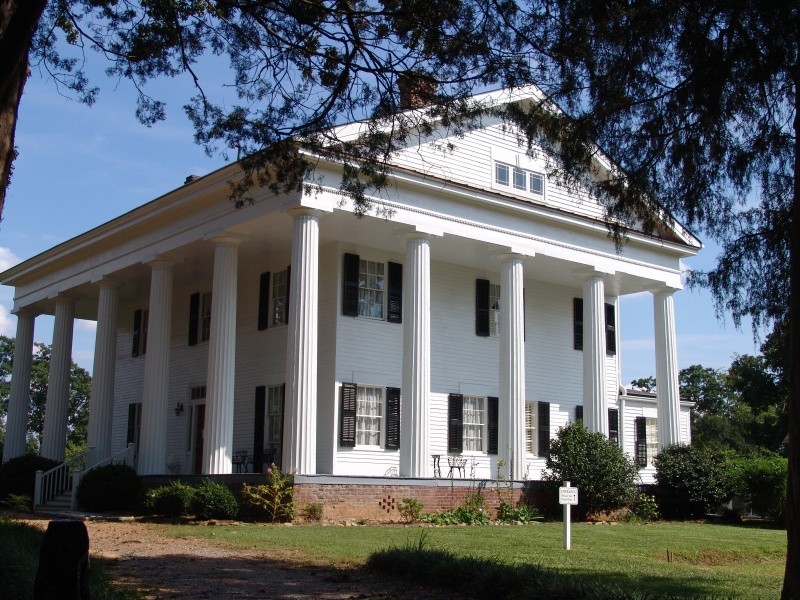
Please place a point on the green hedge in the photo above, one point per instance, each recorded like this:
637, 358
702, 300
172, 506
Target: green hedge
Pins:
761, 480
690, 481
110, 488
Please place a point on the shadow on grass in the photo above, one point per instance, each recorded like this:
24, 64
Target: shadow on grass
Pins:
487, 579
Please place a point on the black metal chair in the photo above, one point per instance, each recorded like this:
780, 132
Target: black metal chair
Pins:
240, 460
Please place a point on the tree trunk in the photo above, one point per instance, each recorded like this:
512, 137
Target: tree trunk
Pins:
18, 22
791, 577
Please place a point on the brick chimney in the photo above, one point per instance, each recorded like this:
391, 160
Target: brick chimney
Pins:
417, 89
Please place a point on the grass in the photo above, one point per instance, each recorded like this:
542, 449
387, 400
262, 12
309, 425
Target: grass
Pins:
667, 559
19, 555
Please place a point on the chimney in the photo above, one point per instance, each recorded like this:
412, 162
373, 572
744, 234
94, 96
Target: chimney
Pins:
417, 89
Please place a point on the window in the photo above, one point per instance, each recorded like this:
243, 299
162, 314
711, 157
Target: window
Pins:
519, 179
537, 428
140, 322
494, 309
472, 424
372, 289
199, 318
501, 174
530, 427
273, 299
646, 429
369, 416
609, 326
613, 421
280, 297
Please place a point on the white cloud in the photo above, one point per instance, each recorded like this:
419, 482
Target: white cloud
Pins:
7, 258
84, 325
8, 322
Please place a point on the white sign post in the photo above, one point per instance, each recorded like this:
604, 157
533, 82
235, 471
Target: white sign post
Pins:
567, 496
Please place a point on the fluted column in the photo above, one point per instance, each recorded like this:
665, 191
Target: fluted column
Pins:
54, 437
101, 403
595, 404
415, 404
300, 420
217, 448
667, 390
17, 419
155, 387
511, 426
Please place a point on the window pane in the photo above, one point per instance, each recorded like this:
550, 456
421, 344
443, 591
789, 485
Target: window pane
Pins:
279, 290
537, 183
205, 317
501, 174
370, 292
652, 440
473, 423
530, 428
494, 310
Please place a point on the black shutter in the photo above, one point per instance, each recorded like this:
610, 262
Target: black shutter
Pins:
347, 417
455, 423
392, 418
543, 425
482, 307
395, 288
263, 303
258, 429
279, 452
640, 429
611, 330
577, 323
613, 424
194, 318
137, 332
131, 436
350, 285
288, 292
579, 412
492, 418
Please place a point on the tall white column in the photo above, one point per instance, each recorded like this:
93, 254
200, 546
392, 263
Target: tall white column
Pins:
17, 419
54, 437
300, 419
511, 426
105, 349
667, 390
415, 402
595, 403
155, 387
217, 447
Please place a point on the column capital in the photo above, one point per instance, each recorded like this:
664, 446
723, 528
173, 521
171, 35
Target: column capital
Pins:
63, 297
662, 289
304, 211
506, 257
587, 272
226, 238
159, 262
418, 232
25, 311
107, 281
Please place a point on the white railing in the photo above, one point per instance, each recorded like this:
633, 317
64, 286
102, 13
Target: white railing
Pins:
66, 476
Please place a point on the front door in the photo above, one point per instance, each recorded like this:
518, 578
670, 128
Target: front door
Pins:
199, 417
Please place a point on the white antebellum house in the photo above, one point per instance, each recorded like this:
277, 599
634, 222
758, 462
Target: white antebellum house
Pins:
473, 321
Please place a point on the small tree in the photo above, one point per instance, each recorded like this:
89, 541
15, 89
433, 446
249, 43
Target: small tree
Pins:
691, 481
593, 463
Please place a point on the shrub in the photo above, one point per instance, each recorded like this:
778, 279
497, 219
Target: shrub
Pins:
214, 501
691, 481
762, 480
171, 500
18, 475
472, 511
643, 508
522, 513
595, 465
275, 500
112, 487
410, 509
313, 511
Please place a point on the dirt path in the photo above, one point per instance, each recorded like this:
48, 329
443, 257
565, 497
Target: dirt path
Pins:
136, 556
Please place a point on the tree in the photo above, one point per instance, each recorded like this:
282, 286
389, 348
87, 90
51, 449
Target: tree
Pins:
706, 387
79, 391
297, 68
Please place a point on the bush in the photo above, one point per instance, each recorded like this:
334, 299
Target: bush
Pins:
313, 511
761, 481
214, 501
171, 500
472, 511
595, 465
275, 500
112, 487
410, 509
643, 508
691, 481
18, 475
522, 513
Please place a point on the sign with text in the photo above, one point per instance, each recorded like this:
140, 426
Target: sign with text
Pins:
568, 495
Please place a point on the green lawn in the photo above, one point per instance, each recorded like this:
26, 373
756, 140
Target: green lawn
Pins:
681, 559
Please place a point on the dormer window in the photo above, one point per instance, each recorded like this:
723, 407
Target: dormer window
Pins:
521, 180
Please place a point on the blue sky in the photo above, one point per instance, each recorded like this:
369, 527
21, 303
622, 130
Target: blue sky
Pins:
81, 166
